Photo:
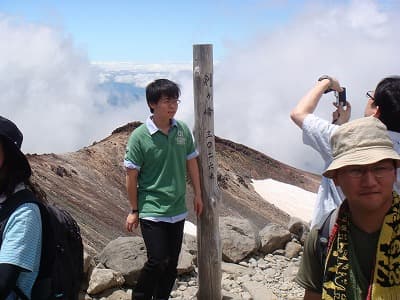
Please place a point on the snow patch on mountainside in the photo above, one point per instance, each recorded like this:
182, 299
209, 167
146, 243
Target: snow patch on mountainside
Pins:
296, 201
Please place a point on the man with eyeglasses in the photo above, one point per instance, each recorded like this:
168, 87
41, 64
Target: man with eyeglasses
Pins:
383, 103
363, 256
158, 154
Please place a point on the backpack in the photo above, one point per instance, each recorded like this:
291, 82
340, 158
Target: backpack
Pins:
61, 264
324, 232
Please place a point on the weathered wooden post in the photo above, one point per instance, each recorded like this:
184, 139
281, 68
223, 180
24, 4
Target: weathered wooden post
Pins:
209, 254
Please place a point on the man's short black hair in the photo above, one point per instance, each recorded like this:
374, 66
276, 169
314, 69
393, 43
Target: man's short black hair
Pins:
159, 88
387, 98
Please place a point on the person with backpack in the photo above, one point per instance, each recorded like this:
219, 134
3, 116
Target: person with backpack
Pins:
41, 249
383, 103
362, 258
21, 239
158, 155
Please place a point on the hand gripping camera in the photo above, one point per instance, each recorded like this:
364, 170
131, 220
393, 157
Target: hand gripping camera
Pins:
340, 96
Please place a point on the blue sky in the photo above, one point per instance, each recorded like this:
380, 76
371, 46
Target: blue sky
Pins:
155, 31
267, 54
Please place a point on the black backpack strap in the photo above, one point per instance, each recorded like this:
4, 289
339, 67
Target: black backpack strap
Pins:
11, 204
324, 232
20, 294
14, 201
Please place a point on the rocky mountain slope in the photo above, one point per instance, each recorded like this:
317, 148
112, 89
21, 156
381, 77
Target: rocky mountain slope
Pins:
90, 184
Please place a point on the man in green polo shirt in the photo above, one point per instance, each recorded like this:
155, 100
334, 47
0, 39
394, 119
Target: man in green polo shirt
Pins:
157, 156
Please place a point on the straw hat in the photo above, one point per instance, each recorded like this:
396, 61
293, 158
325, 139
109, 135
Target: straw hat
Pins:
360, 142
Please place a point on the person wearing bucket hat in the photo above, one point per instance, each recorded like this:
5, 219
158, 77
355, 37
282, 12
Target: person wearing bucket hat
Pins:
22, 232
362, 258
354, 144
383, 103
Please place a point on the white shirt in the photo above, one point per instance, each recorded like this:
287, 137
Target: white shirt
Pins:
317, 134
395, 137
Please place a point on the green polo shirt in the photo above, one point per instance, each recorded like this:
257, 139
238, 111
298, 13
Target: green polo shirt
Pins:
161, 161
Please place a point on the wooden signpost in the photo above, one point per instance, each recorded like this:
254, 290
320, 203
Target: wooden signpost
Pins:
208, 239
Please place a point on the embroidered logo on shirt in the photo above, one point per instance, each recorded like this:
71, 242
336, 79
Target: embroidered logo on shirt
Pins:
180, 138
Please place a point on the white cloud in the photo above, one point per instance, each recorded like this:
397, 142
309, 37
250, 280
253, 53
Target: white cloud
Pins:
140, 74
262, 80
48, 86
49, 89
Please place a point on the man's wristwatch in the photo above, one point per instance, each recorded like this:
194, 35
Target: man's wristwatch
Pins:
134, 211
330, 82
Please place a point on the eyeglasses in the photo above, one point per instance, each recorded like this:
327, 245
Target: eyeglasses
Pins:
170, 101
377, 171
369, 95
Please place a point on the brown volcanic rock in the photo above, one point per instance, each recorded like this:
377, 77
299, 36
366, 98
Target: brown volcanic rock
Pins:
237, 165
90, 184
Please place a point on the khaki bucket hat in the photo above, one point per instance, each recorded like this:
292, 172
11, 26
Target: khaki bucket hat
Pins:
360, 142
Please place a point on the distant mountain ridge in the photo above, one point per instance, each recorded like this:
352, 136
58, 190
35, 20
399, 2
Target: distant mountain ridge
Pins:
122, 94
90, 184
125, 82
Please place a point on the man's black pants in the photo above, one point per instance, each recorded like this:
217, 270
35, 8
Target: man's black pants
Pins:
163, 244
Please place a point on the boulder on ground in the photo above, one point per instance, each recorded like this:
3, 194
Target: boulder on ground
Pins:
238, 237
126, 255
273, 237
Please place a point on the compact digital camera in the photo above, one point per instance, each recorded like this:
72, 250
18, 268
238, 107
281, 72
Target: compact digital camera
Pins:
341, 97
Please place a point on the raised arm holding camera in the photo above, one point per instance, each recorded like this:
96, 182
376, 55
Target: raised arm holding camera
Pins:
316, 133
383, 103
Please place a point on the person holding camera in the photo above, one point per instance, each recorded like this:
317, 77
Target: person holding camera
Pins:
383, 103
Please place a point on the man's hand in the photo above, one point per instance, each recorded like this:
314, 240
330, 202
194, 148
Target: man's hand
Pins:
198, 205
342, 114
132, 221
193, 170
308, 103
335, 85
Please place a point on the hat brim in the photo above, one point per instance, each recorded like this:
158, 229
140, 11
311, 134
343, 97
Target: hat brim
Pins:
362, 157
20, 156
